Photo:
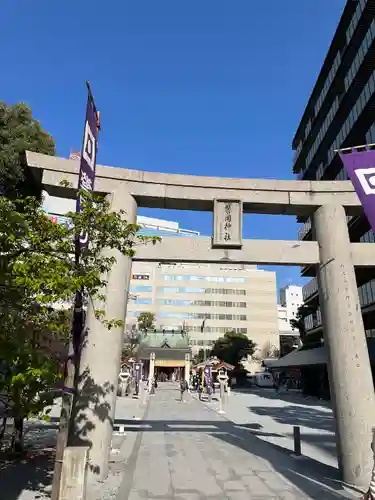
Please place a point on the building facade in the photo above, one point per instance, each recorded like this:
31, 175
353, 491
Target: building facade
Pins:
339, 114
290, 300
206, 300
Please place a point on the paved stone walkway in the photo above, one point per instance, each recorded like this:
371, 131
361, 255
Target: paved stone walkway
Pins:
186, 451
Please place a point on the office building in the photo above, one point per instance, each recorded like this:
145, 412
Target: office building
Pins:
339, 114
206, 300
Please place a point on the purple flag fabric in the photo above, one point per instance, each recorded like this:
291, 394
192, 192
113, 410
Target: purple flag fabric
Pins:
208, 374
360, 167
88, 159
137, 371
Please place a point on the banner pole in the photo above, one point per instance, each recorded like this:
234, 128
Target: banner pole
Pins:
85, 182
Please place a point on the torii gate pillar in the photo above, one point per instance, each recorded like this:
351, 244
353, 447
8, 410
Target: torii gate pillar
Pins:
351, 384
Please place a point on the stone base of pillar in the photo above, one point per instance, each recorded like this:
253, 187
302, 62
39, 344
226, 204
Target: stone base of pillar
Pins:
73, 474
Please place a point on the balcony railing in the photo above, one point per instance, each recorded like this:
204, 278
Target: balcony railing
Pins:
301, 173
296, 153
366, 294
313, 320
304, 230
310, 289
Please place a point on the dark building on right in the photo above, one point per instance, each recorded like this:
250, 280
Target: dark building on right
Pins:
340, 113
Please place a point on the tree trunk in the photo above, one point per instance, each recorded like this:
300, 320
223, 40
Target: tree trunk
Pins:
17, 439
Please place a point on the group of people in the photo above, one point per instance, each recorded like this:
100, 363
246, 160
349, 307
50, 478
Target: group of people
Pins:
196, 383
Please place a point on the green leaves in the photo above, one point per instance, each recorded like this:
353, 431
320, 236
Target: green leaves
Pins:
146, 320
19, 132
38, 282
233, 347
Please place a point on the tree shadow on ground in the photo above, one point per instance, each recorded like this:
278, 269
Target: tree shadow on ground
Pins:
315, 479
33, 472
298, 415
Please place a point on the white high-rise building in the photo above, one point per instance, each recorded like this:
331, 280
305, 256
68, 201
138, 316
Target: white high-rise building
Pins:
291, 299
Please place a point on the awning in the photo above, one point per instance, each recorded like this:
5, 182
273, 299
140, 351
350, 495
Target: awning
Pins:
316, 356
216, 364
302, 357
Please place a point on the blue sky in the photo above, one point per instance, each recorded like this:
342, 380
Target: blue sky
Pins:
209, 87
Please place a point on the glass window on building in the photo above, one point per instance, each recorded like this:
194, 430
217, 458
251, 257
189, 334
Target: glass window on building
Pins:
235, 280
143, 301
213, 291
215, 279
133, 314
140, 288
193, 315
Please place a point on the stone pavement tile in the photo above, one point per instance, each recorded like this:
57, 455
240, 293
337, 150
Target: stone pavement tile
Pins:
220, 469
135, 495
187, 496
275, 482
256, 486
290, 495
145, 495
181, 481
234, 486
239, 495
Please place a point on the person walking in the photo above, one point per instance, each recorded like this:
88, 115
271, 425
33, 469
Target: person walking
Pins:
199, 389
183, 387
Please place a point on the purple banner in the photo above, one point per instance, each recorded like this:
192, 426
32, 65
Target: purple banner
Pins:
88, 158
208, 375
360, 167
137, 371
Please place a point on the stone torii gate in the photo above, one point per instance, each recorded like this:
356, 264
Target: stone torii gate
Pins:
327, 202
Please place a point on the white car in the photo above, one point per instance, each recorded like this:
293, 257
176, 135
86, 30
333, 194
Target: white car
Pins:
263, 379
